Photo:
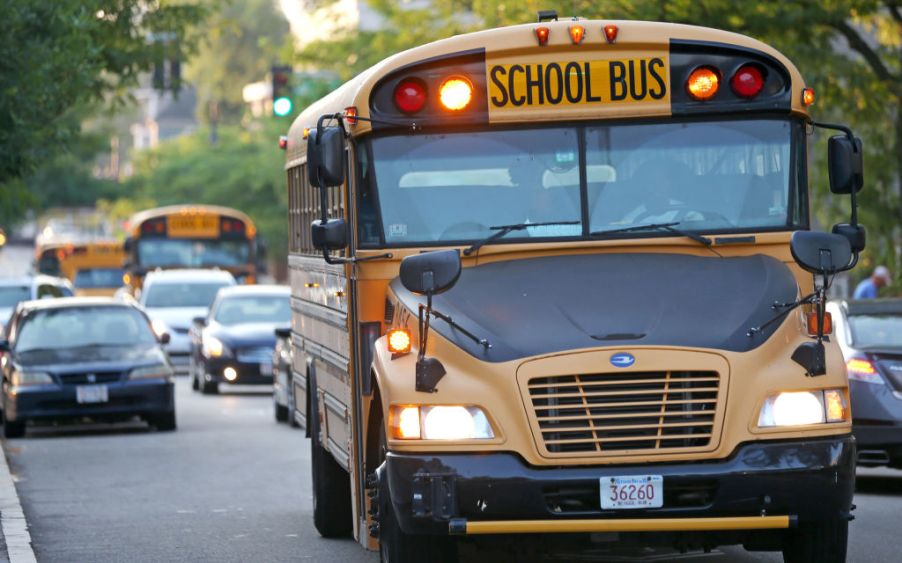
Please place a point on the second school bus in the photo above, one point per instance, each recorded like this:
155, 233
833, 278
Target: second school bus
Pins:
555, 284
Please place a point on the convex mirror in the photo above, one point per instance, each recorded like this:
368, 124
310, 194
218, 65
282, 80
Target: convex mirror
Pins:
331, 235
430, 273
821, 253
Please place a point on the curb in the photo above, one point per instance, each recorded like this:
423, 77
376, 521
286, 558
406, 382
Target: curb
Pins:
12, 519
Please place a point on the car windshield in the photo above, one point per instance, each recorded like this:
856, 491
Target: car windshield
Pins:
736, 175
876, 331
11, 295
236, 310
98, 277
181, 294
71, 327
186, 253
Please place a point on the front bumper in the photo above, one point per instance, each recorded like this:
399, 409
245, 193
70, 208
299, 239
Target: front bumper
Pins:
786, 482
60, 401
249, 373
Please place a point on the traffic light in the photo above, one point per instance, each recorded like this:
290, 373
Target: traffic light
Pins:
281, 90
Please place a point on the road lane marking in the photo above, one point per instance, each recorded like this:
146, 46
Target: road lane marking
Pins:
12, 519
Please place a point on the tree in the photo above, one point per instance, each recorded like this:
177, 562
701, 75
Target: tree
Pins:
57, 55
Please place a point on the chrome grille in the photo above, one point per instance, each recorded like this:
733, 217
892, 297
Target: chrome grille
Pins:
625, 411
90, 377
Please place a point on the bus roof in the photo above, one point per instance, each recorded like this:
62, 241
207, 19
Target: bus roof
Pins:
639, 37
142, 216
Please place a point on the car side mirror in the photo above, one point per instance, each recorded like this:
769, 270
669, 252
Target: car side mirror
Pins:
855, 234
821, 253
199, 321
165, 338
325, 157
845, 164
331, 235
283, 332
430, 273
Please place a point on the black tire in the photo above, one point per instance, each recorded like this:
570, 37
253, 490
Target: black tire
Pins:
195, 386
331, 492
281, 412
397, 546
209, 388
164, 422
13, 429
822, 542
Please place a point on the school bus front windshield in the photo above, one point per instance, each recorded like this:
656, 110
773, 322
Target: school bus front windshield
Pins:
192, 253
708, 176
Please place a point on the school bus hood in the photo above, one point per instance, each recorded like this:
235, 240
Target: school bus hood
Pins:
551, 304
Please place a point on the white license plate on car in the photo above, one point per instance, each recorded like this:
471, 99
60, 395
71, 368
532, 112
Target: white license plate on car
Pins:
266, 368
633, 491
92, 394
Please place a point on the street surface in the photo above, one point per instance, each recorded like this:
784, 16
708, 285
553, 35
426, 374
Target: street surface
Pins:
233, 485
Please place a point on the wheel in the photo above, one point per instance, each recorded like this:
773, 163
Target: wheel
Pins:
13, 429
209, 388
195, 386
822, 542
397, 546
281, 412
164, 422
331, 492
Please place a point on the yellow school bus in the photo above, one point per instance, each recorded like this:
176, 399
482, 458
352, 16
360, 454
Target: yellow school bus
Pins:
554, 285
192, 236
49, 256
94, 268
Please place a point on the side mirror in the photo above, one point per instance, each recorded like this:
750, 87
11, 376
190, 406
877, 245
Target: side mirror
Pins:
325, 157
821, 253
4, 345
430, 273
845, 164
283, 332
128, 244
165, 338
199, 321
331, 235
855, 234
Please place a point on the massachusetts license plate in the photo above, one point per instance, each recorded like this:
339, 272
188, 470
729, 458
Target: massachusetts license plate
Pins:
92, 394
266, 368
634, 491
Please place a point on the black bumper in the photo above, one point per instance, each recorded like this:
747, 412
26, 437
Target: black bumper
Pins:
807, 480
249, 373
126, 398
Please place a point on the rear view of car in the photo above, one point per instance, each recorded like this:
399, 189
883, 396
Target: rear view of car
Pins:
84, 358
870, 335
235, 343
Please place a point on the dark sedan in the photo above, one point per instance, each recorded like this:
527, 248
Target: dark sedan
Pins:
76, 358
870, 335
234, 343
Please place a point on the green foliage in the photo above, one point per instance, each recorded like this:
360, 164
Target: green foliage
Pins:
244, 170
57, 55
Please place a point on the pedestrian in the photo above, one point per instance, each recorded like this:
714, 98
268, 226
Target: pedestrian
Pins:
869, 287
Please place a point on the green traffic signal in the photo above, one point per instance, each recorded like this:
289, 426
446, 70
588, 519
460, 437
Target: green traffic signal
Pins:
281, 106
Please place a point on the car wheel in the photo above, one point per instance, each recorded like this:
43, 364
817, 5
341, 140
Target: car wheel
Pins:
821, 542
195, 386
209, 388
13, 428
164, 422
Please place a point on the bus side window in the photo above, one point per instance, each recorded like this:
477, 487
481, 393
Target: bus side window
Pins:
367, 226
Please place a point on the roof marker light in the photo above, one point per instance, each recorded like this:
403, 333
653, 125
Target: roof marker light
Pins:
410, 95
351, 115
542, 34
610, 32
703, 83
306, 133
807, 96
577, 34
283, 142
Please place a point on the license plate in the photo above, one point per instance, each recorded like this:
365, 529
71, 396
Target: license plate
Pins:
266, 368
92, 394
633, 491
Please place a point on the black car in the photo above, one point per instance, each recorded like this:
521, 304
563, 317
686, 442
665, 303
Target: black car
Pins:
235, 342
80, 357
870, 335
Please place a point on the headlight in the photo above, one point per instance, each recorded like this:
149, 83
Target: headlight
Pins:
159, 328
439, 422
213, 347
800, 408
151, 372
25, 378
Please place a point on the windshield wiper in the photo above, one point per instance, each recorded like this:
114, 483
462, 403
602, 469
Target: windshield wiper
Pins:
668, 227
503, 230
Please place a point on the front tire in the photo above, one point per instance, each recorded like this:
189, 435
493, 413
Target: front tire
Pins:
821, 542
281, 412
13, 428
164, 422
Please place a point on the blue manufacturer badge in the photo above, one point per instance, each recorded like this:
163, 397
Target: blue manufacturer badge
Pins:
622, 360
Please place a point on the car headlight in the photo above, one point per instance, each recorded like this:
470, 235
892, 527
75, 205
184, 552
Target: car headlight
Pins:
156, 371
439, 422
800, 408
213, 347
159, 328
24, 378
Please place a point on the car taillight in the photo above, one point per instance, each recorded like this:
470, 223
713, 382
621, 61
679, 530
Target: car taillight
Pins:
748, 81
861, 369
410, 95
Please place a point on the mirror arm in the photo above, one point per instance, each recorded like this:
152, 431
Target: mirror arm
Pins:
835, 127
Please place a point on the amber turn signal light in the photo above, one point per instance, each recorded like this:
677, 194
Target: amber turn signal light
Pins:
703, 83
807, 96
812, 323
351, 115
399, 341
455, 93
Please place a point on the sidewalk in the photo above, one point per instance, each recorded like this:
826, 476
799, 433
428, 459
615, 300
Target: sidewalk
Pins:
15, 541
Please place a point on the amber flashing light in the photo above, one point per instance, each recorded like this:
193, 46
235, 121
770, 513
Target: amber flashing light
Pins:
703, 83
807, 96
577, 34
351, 115
399, 341
456, 93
